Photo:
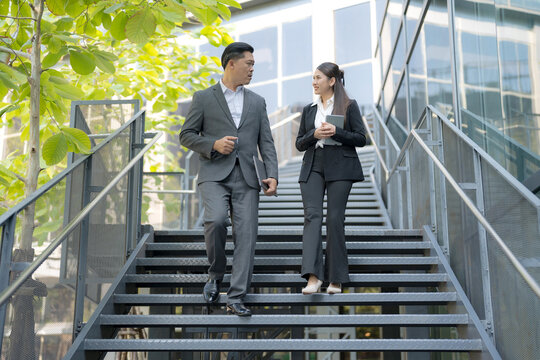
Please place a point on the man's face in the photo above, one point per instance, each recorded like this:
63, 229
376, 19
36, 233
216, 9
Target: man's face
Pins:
242, 69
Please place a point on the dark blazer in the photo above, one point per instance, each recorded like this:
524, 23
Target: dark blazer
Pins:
209, 119
340, 162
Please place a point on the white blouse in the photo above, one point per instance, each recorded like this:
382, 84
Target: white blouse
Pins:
321, 116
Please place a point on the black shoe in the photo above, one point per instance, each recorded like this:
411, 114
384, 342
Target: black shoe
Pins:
238, 309
211, 291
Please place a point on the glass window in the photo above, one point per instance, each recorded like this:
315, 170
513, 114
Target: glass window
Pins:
400, 107
269, 93
359, 84
297, 52
399, 59
437, 51
352, 33
265, 44
380, 6
413, 15
211, 50
418, 94
297, 91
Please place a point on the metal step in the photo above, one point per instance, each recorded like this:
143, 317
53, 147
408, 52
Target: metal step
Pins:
284, 345
296, 191
298, 198
376, 220
274, 320
293, 248
320, 299
289, 280
300, 212
298, 205
286, 262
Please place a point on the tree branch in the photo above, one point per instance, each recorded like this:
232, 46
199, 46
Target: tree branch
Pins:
17, 18
14, 52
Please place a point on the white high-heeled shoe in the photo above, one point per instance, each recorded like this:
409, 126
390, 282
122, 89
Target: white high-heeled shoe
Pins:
313, 288
331, 289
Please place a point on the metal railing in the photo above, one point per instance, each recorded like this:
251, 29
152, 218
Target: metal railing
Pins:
88, 221
487, 222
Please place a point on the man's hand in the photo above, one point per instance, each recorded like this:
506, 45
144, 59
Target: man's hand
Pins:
225, 145
272, 186
325, 131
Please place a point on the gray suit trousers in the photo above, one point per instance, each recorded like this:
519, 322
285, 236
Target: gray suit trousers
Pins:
231, 195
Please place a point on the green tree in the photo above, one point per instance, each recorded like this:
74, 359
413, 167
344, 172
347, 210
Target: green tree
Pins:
55, 51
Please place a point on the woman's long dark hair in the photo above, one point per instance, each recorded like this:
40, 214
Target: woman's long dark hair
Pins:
341, 100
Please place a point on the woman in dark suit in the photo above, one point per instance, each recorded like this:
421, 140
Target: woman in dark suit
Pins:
331, 168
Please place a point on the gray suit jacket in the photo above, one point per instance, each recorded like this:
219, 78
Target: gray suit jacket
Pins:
209, 119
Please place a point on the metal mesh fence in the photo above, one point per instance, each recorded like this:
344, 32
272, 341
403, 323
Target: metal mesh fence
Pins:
496, 289
43, 314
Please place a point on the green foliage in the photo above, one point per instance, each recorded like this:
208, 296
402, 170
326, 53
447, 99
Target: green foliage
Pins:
94, 50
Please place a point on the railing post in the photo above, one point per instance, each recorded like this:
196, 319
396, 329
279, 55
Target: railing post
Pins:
135, 182
432, 192
80, 286
442, 187
8, 241
409, 188
482, 238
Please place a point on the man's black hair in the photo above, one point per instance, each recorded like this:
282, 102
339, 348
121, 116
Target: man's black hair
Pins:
234, 51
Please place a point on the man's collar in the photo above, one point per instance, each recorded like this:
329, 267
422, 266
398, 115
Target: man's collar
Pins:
224, 88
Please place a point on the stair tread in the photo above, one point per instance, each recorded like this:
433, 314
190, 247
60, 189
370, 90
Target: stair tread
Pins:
351, 245
292, 260
284, 280
294, 299
285, 345
300, 220
289, 320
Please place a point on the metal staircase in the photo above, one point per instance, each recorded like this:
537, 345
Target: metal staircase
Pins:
453, 280
389, 268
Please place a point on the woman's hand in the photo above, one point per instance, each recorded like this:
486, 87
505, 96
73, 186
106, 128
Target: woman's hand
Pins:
325, 131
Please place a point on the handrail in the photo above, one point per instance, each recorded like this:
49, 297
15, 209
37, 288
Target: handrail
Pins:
518, 186
42, 190
509, 254
287, 120
413, 135
12, 288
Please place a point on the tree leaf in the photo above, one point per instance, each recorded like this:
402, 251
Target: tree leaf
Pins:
206, 16
232, 3
82, 62
55, 149
52, 59
74, 8
118, 26
79, 139
113, 8
4, 7
8, 108
224, 11
68, 91
15, 75
6, 80
104, 64
56, 7
141, 26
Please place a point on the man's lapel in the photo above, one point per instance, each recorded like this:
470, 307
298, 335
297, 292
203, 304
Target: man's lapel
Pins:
247, 104
218, 93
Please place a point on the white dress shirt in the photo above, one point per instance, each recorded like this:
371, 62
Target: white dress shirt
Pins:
321, 116
235, 101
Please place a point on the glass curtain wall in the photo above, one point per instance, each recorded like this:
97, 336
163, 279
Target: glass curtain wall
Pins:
495, 75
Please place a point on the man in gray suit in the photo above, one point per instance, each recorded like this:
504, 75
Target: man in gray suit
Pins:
225, 125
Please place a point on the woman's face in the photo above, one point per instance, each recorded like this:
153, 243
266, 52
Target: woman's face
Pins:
322, 84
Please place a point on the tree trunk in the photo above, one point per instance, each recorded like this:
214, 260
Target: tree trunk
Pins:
22, 342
